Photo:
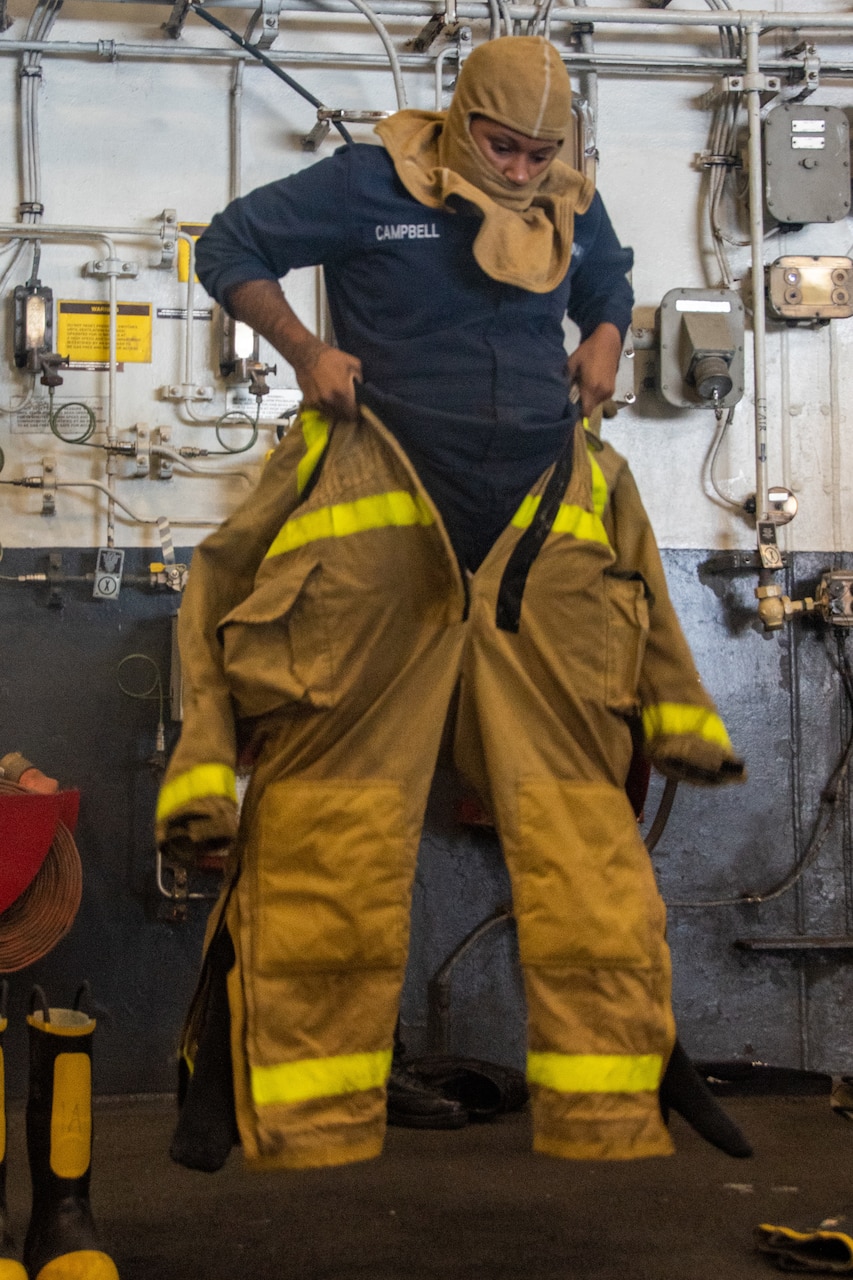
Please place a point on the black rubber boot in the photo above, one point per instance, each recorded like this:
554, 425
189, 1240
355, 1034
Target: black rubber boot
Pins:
62, 1241
207, 1123
683, 1090
10, 1268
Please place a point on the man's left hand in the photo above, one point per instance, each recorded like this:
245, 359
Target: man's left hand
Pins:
592, 366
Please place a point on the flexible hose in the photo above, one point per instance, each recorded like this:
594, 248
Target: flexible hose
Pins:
381, 30
42, 915
53, 419
832, 796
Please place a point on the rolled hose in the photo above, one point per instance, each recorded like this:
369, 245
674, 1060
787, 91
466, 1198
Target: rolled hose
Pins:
43, 914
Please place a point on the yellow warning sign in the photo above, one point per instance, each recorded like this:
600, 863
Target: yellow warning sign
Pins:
193, 229
83, 331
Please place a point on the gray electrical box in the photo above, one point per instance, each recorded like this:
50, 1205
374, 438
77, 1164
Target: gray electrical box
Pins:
701, 348
807, 163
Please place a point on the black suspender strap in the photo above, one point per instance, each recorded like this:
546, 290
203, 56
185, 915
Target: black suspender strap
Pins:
514, 580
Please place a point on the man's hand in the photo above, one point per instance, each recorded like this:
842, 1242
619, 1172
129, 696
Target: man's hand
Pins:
326, 376
592, 366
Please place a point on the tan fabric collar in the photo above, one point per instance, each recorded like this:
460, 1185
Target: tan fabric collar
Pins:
529, 248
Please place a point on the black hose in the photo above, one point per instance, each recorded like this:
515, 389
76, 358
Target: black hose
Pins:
662, 816
267, 62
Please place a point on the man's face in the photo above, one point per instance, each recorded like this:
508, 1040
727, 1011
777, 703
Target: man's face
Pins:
514, 155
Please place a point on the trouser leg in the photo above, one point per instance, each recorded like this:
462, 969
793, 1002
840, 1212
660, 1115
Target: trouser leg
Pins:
319, 914
536, 734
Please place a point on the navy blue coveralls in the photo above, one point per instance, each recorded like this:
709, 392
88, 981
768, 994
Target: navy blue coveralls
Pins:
468, 373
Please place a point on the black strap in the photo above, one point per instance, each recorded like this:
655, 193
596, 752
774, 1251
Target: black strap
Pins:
525, 551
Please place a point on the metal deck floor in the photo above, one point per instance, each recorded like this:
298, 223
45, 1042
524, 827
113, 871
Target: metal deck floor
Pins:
474, 1204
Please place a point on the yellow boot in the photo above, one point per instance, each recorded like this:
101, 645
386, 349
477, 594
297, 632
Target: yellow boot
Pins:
62, 1241
10, 1268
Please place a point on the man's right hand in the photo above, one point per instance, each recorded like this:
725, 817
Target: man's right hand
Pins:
326, 376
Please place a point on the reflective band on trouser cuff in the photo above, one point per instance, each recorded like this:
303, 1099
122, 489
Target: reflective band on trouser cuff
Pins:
203, 780
596, 1072
320, 1077
381, 511
315, 433
676, 719
581, 524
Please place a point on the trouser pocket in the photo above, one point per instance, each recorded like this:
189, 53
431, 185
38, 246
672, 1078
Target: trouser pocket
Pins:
584, 889
333, 877
626, 634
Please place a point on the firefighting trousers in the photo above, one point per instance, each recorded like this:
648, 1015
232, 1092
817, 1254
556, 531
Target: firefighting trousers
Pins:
343, 662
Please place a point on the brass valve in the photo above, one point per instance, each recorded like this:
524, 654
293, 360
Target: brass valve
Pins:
775, 608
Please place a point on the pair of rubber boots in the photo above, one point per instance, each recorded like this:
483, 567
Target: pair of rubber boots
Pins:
61, 1241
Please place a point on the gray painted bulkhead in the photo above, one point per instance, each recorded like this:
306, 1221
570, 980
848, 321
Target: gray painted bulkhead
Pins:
783, 702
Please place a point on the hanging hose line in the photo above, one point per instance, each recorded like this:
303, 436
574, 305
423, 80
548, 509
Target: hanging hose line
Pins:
34, 281
661, 818
835, 790
267, 62
53, 416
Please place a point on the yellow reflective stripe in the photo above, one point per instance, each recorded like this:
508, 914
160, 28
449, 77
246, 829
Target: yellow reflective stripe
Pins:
596, 1072
381, 511
678, 719
525, 513
315, 433
569, 519
320, 1077
203, 780
580, 524
599, 485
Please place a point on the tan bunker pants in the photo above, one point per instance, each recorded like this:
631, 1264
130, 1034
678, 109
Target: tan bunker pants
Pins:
342, 657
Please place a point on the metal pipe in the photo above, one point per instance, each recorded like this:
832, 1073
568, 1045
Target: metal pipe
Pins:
235, 178
111, 408
438, 987
839, 943
756, 228
175, 894
109, 489
137, 519
111, 382
630, 63
50, 231
795, 703
439, 69
835, 423
188, 330
162, 451
527, 13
